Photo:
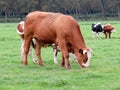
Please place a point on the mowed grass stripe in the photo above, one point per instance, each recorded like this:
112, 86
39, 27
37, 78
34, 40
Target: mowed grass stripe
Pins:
103, 73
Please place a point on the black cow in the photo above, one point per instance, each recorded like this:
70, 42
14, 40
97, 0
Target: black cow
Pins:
97, 29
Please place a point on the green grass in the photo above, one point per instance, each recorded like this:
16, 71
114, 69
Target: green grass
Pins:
103, 73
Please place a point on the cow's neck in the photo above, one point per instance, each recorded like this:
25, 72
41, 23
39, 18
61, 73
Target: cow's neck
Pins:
81, 46
79, 42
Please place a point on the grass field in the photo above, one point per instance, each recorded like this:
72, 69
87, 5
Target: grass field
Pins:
103, 73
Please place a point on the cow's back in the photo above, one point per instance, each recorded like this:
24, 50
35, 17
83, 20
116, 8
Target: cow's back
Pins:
59, 27
108, 27
33, 21
53, 27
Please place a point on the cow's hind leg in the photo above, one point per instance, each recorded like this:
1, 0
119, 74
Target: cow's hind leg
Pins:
38, 52
105, 35
109, 35
32, 56
26, 49
55, 52
63, 61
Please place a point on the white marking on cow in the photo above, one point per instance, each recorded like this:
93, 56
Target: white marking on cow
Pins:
88, 61
32, 56
55, 57
113, 30
84, 52
74, 57
96, 25
102, 26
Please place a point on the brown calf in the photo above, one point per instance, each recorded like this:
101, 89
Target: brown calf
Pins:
20, 31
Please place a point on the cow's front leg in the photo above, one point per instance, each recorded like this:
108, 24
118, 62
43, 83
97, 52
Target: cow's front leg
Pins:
67, 62
65, 54
38, 52
105, 35
62, 62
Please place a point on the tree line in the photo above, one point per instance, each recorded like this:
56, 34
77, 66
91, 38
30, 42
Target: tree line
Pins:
80, 9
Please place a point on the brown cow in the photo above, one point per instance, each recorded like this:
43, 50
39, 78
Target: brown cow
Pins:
20, 31
108, 29
63, 30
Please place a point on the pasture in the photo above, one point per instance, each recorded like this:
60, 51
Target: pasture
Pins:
103, 73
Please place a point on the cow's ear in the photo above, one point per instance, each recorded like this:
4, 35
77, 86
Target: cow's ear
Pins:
81, 51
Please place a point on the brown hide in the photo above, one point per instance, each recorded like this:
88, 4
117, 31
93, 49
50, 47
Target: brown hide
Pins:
108, 29
56, 28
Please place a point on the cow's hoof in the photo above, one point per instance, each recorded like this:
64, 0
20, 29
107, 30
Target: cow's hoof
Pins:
41, 64
62, 65
25, 63
68, 67
55, 62
35, 62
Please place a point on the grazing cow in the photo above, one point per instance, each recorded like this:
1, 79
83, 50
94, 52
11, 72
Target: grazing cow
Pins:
97, 29
108, 29
20, 30
63, 30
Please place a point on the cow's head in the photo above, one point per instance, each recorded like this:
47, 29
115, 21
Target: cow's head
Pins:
84, 57
20, 28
